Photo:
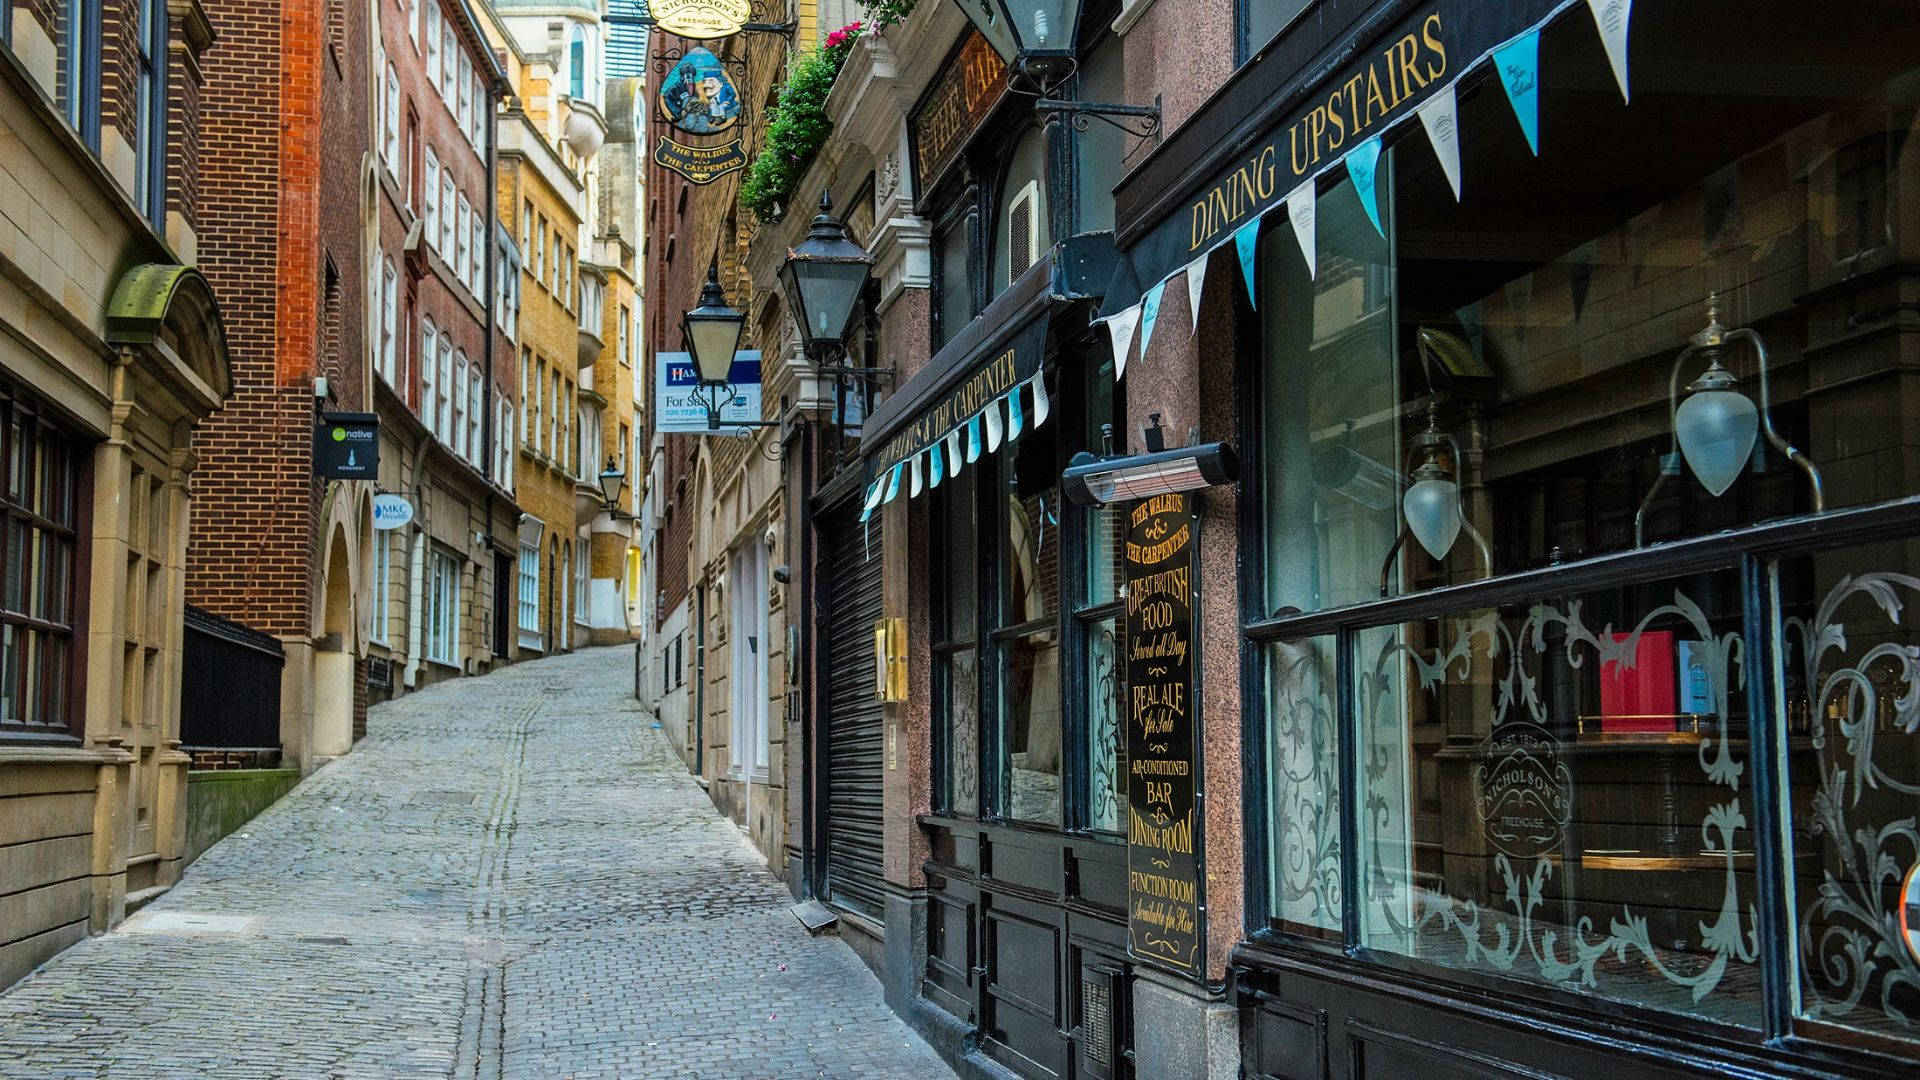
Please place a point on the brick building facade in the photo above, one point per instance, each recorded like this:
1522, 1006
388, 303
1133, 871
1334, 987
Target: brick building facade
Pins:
275, 548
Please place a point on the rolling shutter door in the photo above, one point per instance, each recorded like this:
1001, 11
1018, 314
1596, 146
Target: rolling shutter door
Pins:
854, 723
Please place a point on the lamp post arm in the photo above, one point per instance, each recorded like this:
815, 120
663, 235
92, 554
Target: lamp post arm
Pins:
1673, 448
1766, 422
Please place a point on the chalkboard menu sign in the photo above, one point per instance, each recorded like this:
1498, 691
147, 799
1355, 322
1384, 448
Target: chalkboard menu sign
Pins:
1164, 900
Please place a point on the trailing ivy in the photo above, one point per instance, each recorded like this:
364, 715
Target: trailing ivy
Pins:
797, 126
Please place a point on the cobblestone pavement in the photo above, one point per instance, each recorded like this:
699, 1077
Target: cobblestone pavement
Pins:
511, 877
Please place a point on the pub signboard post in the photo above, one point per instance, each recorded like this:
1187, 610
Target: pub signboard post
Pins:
1166, 904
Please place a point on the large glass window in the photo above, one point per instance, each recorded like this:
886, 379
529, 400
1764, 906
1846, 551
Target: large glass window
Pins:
1029, 638
956, 651
1099, 616
1557, 774
1261, 20
956, 286
443, 608
39, 532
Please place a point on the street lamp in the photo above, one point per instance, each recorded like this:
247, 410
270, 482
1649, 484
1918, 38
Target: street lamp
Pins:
612, 479
823, 279
1038, 40
713, 332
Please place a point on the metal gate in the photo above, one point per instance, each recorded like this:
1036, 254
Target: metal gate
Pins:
854, 722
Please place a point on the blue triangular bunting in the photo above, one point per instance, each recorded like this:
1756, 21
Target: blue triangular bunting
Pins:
1363, 163
1149, 314
1518, 62
1246, 241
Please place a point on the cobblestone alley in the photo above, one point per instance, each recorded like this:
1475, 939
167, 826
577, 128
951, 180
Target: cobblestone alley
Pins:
511, 877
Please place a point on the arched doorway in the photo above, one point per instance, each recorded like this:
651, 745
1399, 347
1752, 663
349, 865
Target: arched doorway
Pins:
333, 655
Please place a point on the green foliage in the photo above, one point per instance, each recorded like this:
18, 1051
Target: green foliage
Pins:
884, 13
797, 126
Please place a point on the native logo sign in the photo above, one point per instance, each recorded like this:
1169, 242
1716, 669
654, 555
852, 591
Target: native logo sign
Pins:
697, 97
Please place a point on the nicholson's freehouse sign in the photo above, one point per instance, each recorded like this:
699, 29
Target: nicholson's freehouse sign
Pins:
1382, 85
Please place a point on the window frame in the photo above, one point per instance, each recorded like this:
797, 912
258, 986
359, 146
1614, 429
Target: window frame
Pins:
23, 415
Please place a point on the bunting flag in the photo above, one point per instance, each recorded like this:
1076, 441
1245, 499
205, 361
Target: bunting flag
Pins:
1246, 241
919, 481
1196, 279
936, 467
993, 427
1016, 420
1518, 63
953, 452
1363, 163
1440, 115
1612, 17
873, 497
1120, 329
893, 482
973, 440
1301, 210
1150, 314
1042, 407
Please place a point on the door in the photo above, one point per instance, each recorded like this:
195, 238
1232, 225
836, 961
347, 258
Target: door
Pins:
853, 726
503, 610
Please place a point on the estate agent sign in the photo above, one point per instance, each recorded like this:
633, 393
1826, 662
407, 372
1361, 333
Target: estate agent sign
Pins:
1165, 906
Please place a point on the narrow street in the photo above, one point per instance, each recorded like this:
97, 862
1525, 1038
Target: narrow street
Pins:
512, 876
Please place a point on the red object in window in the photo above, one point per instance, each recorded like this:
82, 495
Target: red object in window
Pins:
1640, 696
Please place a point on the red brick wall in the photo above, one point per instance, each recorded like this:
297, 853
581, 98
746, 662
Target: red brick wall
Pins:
280, 113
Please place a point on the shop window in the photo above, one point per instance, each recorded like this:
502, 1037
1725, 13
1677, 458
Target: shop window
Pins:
150, 111
956, 652
1560, 761
956, 284
1029, 639
529, 603
1022, 231
443, 608
378, 612
40, 533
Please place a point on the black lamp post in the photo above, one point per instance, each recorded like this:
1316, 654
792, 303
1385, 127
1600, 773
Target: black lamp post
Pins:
712, 332
1039, 40
612, 479
823, 279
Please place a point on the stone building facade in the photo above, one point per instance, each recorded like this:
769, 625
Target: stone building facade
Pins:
113, 351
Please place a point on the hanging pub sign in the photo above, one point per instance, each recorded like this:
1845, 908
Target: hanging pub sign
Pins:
1165, 901
346, 446
961, 96
700, 164
700, 19
697, 97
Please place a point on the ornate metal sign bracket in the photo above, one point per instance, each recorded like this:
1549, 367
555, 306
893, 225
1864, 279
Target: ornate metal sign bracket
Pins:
1140, 120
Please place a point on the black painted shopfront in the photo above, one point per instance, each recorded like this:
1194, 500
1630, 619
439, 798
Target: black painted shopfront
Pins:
1582, 699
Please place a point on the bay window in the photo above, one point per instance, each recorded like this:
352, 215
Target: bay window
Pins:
529, 596
1554, 699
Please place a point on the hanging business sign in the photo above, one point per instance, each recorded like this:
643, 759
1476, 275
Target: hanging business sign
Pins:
391, 511
947, 115
700, 19
700, 164
346, 446
683, 412
698, 97
1165, 899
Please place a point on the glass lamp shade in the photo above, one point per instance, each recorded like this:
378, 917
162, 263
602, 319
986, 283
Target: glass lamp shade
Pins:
823, 279
713, 332
1035, 37
611, 481
1432, 507
1716, 426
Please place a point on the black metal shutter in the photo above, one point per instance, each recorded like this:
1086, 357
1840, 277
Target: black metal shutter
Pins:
854, 722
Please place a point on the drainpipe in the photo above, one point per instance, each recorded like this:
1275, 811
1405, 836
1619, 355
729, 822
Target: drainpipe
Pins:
489, 460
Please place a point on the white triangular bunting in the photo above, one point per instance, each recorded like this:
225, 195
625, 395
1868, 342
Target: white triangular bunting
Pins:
1196, 279
1301, 210
919, 479
953, 452
873, 497
1041, 406
1440, 115
1120, 328
1612, 17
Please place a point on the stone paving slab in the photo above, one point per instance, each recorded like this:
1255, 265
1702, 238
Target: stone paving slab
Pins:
511, 878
